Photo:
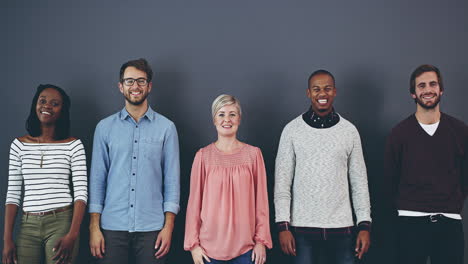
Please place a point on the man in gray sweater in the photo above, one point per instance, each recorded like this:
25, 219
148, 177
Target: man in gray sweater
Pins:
319, 163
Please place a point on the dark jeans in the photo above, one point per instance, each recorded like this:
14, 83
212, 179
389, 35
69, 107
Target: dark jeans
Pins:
245, 258
122, 246
310, 250
439, 238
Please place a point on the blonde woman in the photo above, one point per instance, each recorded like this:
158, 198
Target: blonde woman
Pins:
227, 214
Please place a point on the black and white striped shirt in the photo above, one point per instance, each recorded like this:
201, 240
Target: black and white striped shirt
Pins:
47, 188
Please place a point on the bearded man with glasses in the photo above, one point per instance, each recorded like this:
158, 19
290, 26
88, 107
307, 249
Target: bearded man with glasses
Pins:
135, 177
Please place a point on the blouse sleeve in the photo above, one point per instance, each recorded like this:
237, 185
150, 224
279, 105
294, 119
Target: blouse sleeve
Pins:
15, 176
193, 221
79, 173
262, 219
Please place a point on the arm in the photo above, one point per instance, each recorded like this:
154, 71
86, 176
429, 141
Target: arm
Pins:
392, 169
171, 171
193, 220
358, 180
163, 241
360, 194
262, 236
464, 169
97, 189
171, 190
284, 174
96, 239
15, 182
9, 249
64, 246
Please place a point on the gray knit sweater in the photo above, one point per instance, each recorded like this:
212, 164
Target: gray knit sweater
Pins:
315, 170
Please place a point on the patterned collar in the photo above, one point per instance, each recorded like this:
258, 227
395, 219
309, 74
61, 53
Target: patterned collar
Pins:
316, 121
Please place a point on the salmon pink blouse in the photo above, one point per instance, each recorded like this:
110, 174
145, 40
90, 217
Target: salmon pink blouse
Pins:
227, 212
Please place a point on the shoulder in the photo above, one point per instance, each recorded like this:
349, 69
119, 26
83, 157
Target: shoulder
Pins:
346, 128
108, 120
346, 124
26, 139
252, 150
17, 144
293, 125
162, 120
456, 123
402, 127
70, 139
205, 149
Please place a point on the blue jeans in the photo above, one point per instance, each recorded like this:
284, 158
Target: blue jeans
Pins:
245, 258
310, 250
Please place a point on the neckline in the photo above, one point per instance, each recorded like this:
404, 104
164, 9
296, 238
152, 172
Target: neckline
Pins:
233, 153
421, 129
321, 129
45, 143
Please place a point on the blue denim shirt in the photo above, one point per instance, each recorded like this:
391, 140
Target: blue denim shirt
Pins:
135, 174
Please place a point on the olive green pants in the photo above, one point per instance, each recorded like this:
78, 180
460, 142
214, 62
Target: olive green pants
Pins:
39, 234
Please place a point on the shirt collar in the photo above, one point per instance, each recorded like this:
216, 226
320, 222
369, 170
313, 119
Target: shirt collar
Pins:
316, 121
150, 114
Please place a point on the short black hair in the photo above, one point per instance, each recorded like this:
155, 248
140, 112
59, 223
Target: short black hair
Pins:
422, 69
318, 72
141, 64
62, 127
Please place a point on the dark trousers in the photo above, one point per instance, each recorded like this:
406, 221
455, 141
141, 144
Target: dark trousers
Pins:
122, 246
310, 250
437, 237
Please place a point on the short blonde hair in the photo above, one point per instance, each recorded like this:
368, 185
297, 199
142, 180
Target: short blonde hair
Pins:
223, 100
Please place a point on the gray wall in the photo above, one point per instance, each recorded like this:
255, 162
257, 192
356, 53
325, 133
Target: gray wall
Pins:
261, 51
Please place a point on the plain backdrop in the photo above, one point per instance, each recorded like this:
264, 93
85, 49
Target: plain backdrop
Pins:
260, 51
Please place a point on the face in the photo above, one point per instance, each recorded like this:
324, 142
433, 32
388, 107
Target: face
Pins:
427, 90
321, 93
227, 120
134, 94
49, 106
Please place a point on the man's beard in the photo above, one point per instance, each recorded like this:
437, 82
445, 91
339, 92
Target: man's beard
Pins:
139, 102
428, 107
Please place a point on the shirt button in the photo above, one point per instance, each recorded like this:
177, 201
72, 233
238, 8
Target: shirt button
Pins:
134, 157
133, 190
136, 141
131, 205
136, 126
133, 174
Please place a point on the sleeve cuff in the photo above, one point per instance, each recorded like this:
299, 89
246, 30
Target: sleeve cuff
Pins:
171, 207
282, 226
95, 208
364, 226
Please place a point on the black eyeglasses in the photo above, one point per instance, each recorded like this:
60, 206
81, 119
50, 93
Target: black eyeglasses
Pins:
131, 81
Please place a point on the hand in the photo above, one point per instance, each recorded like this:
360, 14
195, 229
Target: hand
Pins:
198, 254
9, 252
362, 243
97, 243
64, 249
163, 242
287, 242
259, 254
